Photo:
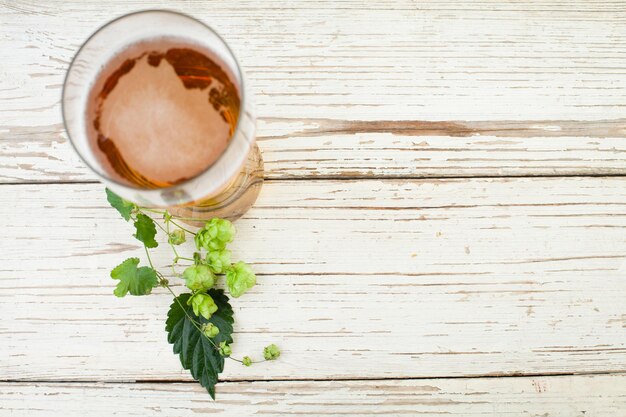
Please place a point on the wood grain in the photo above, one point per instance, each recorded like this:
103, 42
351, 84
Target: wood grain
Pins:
357, 279
353, 89
392, 278
572, 396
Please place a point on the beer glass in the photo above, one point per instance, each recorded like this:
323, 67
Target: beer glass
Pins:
227, 186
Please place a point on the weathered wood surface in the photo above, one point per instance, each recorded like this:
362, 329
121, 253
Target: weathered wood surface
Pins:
352, 89
572, 396
358, 279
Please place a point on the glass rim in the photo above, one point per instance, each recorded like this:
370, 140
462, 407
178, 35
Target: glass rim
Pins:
242, 106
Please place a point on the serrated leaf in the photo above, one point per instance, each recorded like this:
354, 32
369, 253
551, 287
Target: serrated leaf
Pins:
145, 231
196, 352
124, 207
137, 281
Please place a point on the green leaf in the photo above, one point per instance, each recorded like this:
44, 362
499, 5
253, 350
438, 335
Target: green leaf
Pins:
137, 281
146, 231
124, 207
196, 352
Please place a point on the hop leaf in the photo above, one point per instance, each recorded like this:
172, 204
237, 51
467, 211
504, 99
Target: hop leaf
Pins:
177, 237
215, 235
240, 279
218, 261
246, 361
196, 352
146, 231
124, 207
199, 278
203, 305
271, 352
137, 281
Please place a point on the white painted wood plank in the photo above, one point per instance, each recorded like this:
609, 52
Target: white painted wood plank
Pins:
599, 395
488, 61
316, 70
33, 156
356, 279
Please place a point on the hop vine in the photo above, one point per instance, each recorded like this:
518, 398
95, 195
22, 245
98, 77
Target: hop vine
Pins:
199, 322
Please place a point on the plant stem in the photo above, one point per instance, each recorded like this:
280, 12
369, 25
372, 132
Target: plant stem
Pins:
173, 248
191, 219
182, 228
161, 227
149, 259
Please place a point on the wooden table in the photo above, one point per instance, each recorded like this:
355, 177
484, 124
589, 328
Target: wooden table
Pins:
442, 229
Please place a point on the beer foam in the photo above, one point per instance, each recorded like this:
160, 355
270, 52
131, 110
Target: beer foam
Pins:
165, 131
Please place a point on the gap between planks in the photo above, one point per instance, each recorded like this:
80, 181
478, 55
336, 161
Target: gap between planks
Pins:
358, 178
511, 375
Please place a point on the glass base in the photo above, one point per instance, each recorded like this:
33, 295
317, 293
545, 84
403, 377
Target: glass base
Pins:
232, 202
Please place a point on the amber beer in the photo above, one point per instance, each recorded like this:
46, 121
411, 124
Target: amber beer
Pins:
161, 112
160, 115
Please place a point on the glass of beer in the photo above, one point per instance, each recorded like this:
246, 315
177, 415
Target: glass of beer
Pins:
154, 103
